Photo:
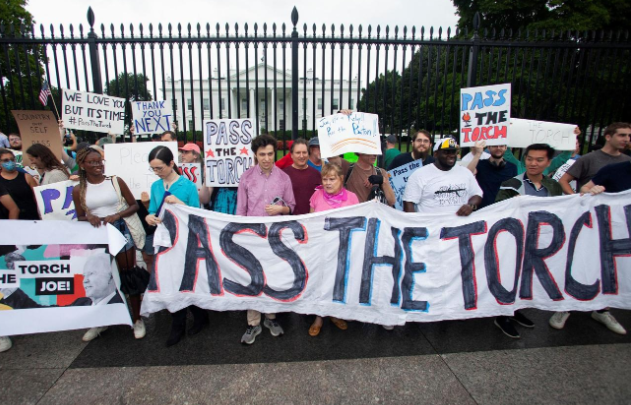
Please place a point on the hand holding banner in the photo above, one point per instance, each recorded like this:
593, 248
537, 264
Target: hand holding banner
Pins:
485, 114
151, 117
227, 151
93, 112
54, 201
526, 132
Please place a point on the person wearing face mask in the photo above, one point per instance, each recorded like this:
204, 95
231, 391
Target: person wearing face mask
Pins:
19, 185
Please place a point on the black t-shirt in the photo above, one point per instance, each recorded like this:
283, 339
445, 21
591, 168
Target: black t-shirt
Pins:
405, 158
4, 213
615, 178
142, 213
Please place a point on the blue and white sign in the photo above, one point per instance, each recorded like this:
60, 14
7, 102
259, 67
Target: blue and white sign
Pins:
399, 179
151, 117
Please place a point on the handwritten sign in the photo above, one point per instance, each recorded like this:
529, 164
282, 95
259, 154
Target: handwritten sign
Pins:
485, 114
38, 127
129, 161
151, 117
193, 172
54, 201
227, 151
93, 112
399, 179
357, 132
527, 132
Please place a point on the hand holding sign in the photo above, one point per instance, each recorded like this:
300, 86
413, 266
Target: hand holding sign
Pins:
349, 132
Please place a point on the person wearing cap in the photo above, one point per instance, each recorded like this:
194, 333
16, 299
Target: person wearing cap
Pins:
315, 160
191, 153
492, 172
421, 146
532, 182
391, 150
443, 186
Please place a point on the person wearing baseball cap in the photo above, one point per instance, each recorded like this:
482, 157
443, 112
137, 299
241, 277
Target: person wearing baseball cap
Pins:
191, 153
443, 186
315, 160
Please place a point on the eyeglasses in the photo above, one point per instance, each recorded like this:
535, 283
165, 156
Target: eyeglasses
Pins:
157, 169
95, 163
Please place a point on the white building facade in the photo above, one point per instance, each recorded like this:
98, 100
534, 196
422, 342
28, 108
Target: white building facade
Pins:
232, 100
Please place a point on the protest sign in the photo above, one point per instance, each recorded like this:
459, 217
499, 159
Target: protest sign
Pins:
341, 133
193, 172
526, 132
399, 179
93, 112
485, 114
54, 201
38, 127
46, 286
151, 117
227, 151
371, 263
129, 161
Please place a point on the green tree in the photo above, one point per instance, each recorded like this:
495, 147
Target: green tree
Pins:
130, 87
21, 73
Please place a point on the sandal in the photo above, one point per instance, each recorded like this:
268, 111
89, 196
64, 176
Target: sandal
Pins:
314, 330
339, 323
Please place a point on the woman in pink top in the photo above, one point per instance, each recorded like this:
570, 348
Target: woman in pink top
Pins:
330, 195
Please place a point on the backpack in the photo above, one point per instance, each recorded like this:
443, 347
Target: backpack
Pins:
375, 192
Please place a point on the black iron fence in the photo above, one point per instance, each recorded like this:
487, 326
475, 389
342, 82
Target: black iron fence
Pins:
287, 76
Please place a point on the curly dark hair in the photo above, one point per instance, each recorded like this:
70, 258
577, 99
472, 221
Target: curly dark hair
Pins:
47, 157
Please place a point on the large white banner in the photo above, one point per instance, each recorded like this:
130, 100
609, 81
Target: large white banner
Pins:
341, 133
399, 180
93, 112
485, 114
374, 264
227, 151
46, 286
151, 117
129, 161
54, 201
526, 132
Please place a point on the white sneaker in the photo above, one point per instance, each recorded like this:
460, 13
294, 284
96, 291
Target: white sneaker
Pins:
557, 321
5, 343
139, 329
609, 321
93, 333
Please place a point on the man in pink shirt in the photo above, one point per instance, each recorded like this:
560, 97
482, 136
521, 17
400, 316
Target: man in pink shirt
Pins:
264, 190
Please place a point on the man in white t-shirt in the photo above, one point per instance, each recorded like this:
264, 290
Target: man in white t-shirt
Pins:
443, 186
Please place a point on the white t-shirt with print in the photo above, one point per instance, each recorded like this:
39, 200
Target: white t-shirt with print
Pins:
438, 191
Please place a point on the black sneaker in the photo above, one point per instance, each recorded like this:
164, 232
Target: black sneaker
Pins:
507, 327
522, 320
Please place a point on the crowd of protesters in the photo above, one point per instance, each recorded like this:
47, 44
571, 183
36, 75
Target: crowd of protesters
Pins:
300, 183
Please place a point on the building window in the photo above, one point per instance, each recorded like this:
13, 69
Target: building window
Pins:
189, 102
244, 104
336, 105
190, 125
319, 103
304, 124
206, 104
304, 103
282, 125
223, 103
281, 104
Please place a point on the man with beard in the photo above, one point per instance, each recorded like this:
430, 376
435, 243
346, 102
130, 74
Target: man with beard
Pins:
304, 179
443, 187
492, 172
421, 145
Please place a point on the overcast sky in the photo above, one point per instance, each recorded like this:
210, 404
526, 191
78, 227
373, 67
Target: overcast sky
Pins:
389, 12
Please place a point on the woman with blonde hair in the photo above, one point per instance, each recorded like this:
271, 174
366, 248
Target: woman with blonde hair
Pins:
102, 200
330, 195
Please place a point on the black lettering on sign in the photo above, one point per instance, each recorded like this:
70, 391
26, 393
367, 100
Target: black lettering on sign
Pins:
467, 258
170, 222
243, 258
345, 226
286, 253
54, 286
491, 261
611, 248
411, 267
534, 258
578, 290
198, 248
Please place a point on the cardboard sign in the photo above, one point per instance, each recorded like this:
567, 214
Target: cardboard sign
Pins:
151, 117
526, 132
93, 112
129, 162
399, 179
38, 127
193, 172
371, 263
54, 201
485, 114
227, 151
341, 133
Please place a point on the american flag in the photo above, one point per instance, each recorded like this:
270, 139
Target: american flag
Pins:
44, 93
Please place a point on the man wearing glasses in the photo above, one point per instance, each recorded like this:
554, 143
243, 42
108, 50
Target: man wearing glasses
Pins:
421, 145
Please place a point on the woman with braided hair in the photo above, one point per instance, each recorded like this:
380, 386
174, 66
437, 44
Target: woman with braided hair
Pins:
103, 200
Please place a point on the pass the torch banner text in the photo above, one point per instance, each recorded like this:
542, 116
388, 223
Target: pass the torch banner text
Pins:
374, 264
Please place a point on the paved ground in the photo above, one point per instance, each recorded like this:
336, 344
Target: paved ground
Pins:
457, 362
